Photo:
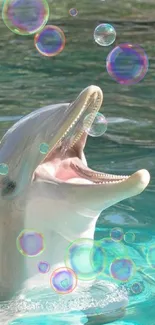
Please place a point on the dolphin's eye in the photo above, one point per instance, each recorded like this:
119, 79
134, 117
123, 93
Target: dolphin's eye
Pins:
8, 186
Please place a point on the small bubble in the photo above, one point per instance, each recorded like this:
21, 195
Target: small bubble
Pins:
43, 267
95, 124
116, 234
137, 288
44, 148
129, 237
4, 169
73, 12
104, 34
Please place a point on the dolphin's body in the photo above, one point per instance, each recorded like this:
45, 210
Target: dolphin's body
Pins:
57, 195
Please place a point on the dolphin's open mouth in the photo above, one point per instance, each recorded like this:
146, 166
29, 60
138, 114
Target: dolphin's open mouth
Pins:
66, 161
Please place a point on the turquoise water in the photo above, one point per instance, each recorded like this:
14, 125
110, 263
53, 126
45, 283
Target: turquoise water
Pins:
29, 81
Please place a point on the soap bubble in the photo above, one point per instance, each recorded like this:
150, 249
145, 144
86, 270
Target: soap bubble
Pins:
86, 257
129, 237
25, 17
63, 280
116, 234
95, 124
44, 148
127, 64
4, 169
137, 287
122, 269
30, 243
43, 267
50, 41
113, 250
104, 34
151, 256
73, 12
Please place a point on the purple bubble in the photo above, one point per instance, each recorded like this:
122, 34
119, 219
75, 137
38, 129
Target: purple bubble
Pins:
122, 269
43, 267
63, 280
25, 17
30, 243
73, 12
127, 64
50, 41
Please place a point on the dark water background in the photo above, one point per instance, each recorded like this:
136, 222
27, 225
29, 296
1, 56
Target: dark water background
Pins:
29, 81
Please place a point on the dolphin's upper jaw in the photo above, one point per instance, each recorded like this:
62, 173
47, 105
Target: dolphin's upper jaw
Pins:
66, 162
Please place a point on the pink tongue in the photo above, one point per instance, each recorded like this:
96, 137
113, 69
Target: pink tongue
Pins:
65, 173
61, 171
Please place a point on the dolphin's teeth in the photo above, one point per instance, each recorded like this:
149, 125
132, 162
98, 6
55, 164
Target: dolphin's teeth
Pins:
109, 182
92, 106
86, 106
97, 177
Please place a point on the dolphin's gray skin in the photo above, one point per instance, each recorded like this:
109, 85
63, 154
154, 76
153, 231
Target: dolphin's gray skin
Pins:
58, 195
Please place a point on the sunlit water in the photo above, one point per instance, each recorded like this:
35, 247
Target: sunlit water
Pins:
29, 81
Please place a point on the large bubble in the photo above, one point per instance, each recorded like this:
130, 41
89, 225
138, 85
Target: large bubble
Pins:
25, 17
122, 269
113, 250
127, 64
50, 41
30, 242
63, 280
86, 257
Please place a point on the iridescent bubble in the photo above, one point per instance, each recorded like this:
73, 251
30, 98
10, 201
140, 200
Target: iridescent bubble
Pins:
104, 34
127, 64
113, 250
44, 148
25, 17
50, 41
151, 256
86, 257
137, 288
122, 269
43, 267
129, 237
4, 169
63, 280
116, 234
95, 124
73, 12
30, 242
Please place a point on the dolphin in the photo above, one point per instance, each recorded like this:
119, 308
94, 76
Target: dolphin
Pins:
56, 194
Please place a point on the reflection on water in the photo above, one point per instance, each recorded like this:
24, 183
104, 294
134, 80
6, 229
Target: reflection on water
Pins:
29, 81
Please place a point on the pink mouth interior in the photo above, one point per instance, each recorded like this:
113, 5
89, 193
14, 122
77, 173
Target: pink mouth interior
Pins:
70, 165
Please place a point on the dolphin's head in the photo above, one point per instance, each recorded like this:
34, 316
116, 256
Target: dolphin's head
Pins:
61, 127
